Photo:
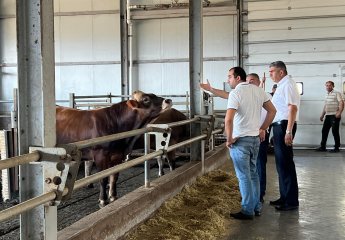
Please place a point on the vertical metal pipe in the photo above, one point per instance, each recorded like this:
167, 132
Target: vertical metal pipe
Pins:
124, 48
203, 156
147, 162
71, 100
239, 33
130, 48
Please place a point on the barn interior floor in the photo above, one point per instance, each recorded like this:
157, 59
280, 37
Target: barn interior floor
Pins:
321, 214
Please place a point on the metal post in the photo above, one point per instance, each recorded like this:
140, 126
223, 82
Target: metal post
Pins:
36, 108
203, 156
124, 48
195, 67
147, 162
71, 100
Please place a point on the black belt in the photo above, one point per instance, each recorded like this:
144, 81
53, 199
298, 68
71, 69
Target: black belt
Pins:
281, 122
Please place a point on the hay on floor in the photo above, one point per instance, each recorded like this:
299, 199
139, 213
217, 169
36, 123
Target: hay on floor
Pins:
198, 212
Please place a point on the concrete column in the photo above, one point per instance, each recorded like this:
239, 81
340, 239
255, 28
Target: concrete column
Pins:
196, 68
36, 110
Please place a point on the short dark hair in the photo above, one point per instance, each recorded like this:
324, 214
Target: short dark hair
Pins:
238, 71
279, 64
331, 82
254, 75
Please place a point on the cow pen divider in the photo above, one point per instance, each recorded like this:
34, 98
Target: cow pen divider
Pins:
98, 101
49, 198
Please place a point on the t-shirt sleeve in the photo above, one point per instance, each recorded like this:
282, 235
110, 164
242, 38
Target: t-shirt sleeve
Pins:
292, 95
233, 100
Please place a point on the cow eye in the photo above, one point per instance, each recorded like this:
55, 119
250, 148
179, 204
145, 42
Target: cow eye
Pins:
146, 100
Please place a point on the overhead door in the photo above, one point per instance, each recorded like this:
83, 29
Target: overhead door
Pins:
309, 36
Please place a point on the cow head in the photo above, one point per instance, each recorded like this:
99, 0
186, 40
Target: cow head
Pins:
150, 102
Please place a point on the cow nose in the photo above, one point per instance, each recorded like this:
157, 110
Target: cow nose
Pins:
168, 101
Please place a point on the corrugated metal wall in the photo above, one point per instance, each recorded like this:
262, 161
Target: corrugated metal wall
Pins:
87, 48
310, 37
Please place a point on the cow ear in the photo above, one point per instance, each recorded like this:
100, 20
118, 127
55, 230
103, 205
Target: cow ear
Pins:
132, 104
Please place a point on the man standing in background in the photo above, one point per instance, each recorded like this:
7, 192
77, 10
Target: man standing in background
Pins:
331, 115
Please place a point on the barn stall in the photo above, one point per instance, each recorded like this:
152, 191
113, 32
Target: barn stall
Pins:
91, 61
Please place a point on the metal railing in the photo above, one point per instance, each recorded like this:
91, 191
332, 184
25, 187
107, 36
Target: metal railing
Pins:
52, 195
96, 101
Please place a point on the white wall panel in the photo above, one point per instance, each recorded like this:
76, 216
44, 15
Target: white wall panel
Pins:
87, 80
99, 5
76, 38
219, 36
310, 41
276, 4
174, 38
105, 38
296, 24
150, 77
217, 74
296, 47
75, 5
7, 7
176, 78
8, 76
312, 33
147, 39
8, 47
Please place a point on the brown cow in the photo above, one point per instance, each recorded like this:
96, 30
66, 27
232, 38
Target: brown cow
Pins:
74, 125
178, 134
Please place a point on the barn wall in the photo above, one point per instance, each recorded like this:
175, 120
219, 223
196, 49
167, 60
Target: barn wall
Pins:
309, 37
87, 49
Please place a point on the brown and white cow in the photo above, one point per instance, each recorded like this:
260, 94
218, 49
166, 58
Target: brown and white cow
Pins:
74, 125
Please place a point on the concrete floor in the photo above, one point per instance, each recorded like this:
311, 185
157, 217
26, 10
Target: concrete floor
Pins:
321, 215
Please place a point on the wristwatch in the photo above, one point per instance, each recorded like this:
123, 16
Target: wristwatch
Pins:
288, 132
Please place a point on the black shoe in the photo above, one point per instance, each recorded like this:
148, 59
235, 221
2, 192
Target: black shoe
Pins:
277, 202
241, 216
286, 208
321, 149
335, 150
257, 213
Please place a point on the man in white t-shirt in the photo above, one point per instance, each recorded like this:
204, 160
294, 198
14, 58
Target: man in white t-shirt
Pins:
243, 133
252, 78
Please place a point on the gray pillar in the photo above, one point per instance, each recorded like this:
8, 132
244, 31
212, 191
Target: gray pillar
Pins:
36, 112
124, 48
195, 68
239, 33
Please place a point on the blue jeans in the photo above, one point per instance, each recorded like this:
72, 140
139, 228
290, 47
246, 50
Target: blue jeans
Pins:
288, 186
244, 153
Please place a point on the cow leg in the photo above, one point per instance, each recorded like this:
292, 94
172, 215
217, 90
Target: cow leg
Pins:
103, 193
171, 160
88, 168
112, 187
160, 166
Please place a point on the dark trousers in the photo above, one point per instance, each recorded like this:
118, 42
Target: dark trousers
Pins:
331, 122
286, 169
261, 163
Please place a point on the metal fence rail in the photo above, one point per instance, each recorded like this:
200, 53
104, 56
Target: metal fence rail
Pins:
52, 195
